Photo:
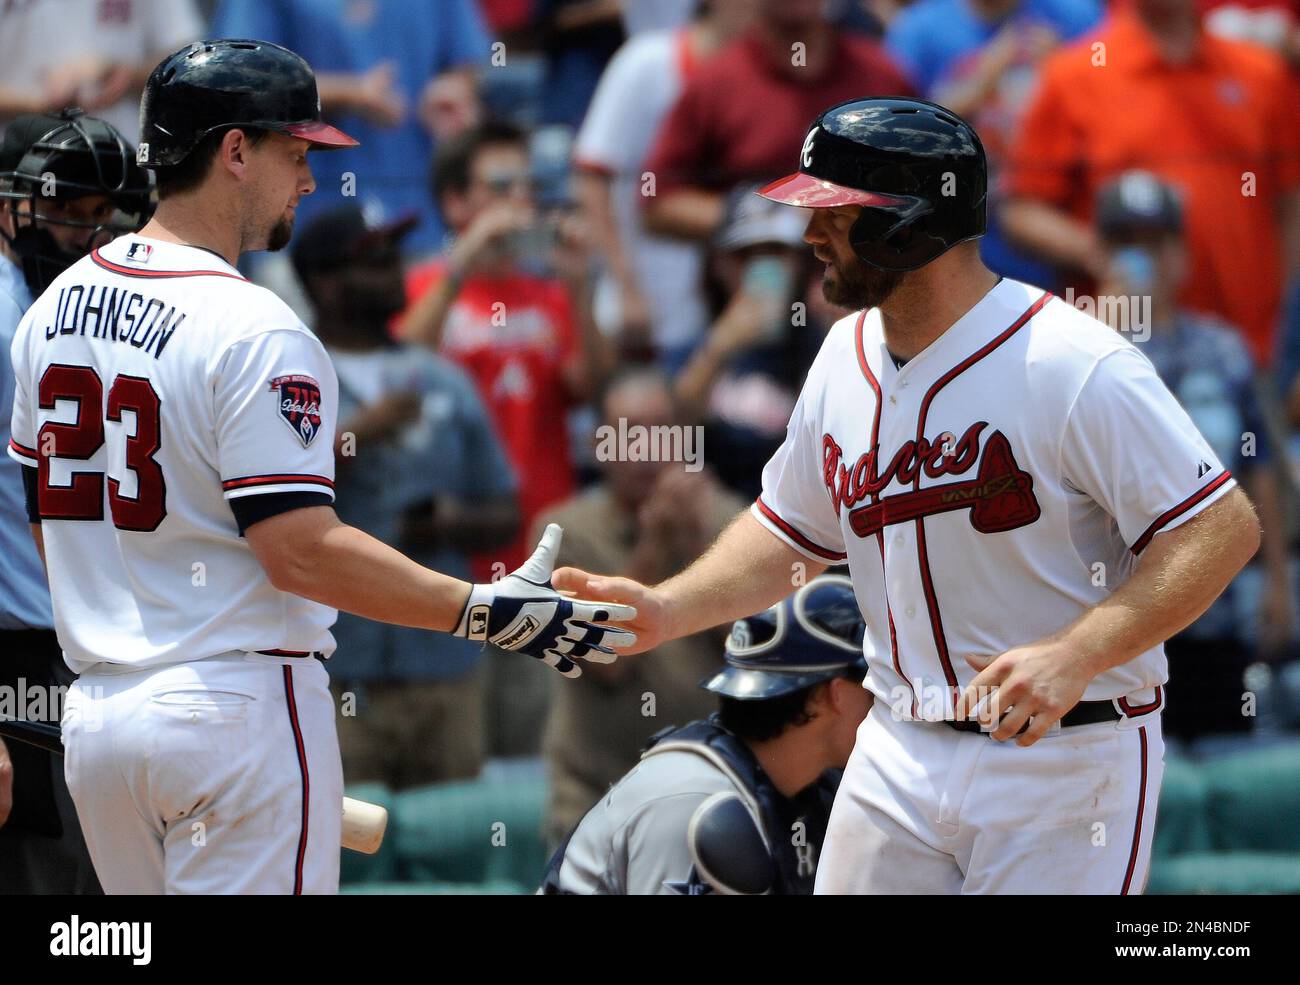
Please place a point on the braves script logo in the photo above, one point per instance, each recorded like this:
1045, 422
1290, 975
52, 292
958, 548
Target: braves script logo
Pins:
1000, 497
299, 405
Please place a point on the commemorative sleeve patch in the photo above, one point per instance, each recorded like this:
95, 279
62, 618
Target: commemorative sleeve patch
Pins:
299, 403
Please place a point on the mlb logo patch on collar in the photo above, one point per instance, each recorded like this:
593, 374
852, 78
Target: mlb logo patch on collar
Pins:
299, 404
139, 253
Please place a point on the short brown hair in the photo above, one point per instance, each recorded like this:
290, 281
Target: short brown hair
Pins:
177, 179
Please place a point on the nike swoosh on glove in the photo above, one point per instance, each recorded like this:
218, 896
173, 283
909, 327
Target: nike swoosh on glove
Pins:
524, 613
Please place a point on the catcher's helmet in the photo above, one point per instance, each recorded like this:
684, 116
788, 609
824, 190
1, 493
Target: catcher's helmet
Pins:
917, 169
811, 636
47, 159
211, 85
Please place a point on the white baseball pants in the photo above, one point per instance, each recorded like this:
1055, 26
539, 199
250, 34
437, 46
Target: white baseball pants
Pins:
925, 809
216, 776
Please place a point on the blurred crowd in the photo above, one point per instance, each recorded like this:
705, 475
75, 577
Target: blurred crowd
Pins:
549, 226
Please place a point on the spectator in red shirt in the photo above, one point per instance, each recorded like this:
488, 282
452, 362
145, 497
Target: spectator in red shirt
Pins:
1204, 114
741, 113
509, 302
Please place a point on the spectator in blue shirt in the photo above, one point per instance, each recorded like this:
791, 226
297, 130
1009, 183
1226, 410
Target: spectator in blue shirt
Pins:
1206, 365
980, 59
399, 74
578, 39
420, 468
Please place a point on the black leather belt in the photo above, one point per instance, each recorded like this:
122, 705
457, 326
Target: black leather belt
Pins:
1084, 713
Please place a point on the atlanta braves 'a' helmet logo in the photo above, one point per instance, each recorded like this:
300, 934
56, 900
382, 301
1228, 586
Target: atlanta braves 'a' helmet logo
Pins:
805, 156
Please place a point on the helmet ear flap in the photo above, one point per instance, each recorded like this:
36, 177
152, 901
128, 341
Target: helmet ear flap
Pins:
884, 244
904, 235
858, 236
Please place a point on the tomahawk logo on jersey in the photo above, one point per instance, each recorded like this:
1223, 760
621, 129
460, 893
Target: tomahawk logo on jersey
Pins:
157, 391
987, 492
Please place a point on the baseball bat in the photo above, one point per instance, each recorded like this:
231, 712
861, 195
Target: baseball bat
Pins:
363, 823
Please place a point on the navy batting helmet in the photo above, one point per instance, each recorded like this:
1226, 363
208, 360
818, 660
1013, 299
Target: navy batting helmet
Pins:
211, 85
810, 636
916, 168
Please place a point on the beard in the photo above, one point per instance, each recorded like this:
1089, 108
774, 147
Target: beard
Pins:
280, 235
856, 284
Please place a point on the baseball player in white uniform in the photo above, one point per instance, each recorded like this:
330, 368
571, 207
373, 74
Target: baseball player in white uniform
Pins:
176, 426
1026, 512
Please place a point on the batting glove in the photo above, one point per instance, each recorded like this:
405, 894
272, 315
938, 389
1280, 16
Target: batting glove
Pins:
522, 612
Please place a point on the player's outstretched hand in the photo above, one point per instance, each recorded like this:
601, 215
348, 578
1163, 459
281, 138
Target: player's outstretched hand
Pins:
524, 612
1034, 685
650, 621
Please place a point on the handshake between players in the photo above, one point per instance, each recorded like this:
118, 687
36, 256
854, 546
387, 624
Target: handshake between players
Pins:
524, 612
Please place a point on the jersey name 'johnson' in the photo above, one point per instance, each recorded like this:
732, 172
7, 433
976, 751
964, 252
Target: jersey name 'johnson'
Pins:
100, 311
170, 452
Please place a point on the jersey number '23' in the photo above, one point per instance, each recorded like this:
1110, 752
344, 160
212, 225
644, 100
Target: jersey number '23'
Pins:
83, 499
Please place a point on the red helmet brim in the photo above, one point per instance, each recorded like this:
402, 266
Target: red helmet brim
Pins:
808, 192
321, 134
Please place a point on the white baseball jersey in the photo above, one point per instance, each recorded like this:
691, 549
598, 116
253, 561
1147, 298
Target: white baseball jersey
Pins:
989, 491
154, 386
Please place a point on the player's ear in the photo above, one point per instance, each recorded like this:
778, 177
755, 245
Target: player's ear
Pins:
234, 151
821, 701
839, 694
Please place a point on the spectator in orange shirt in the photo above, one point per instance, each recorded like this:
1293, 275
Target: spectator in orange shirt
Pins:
1209, 116
743, 111
509, 302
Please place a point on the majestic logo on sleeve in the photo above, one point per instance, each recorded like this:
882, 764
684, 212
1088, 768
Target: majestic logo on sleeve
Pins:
1000, 497
299, 398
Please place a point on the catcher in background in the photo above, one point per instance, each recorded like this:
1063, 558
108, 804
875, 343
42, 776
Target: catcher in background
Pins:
68, 183
738, 803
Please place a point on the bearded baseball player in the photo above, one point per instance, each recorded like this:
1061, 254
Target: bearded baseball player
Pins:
1026, 512
176, 426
